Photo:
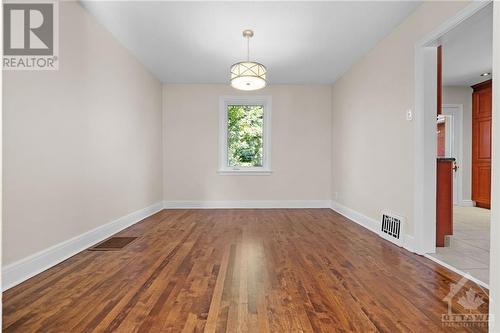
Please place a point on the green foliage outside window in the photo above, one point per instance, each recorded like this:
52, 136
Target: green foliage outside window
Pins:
244, 135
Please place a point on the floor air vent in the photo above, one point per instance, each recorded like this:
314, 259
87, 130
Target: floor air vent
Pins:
113, 244
392, 228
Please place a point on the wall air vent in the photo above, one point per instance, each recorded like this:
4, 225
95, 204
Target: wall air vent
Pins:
392, 228
113, 244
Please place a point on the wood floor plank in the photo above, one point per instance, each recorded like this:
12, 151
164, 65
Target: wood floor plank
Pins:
269, 270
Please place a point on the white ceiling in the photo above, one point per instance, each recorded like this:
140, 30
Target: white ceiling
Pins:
468, 50
299, 42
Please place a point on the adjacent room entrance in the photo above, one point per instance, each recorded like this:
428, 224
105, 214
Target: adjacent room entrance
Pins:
463, 146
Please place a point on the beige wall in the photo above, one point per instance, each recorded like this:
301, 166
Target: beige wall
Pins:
463, 96
373, 143
82, 145
301, 145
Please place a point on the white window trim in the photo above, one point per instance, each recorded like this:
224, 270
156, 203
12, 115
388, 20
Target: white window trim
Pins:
224, 101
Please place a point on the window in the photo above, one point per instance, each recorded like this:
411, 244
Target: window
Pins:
244, 140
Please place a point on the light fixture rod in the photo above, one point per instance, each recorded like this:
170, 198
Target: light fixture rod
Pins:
248, 34
248, 48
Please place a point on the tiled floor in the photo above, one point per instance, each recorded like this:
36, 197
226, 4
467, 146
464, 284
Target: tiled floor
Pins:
469, 249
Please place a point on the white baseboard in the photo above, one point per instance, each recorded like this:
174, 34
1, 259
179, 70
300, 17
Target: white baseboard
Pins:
409, 243
467, 203
23, 269
247, 204
357, 217
369, 223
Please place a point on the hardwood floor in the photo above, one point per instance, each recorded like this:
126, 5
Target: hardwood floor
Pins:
282, 270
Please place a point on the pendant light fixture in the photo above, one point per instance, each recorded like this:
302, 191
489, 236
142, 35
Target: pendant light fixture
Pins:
248, 75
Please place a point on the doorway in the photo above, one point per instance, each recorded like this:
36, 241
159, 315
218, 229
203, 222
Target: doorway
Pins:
471, 240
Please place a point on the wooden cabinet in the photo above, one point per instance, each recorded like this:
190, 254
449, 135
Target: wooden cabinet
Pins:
481, 144
444, 200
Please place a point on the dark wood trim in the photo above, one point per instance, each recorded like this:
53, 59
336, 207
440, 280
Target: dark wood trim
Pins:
482, 85
444, 200
439, 79
481, 143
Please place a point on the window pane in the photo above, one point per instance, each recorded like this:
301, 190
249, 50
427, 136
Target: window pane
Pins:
244, 135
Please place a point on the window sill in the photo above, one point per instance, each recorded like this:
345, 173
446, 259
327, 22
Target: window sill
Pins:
243, 172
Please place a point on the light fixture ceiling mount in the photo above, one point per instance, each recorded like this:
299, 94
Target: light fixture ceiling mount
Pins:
247, 33
248, 75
